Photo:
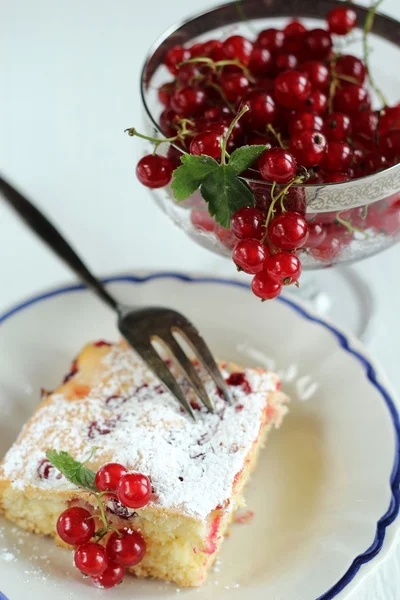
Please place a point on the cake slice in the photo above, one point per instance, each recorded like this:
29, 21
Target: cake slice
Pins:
198, 470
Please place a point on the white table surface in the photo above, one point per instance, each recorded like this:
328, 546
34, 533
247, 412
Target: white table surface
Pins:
69, 74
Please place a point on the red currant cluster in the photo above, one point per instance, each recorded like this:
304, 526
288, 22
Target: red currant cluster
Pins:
299, 93
311, 107
76, 526
273, 263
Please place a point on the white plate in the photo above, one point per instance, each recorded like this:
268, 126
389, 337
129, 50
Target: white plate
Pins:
326, 488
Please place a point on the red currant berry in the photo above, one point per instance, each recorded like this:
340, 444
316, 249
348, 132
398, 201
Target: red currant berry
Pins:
390, 118
317, 44
188, 101
248, 222
364, 126
285, 62
174, 156
234, 86
317, 102
261, 62
126, 548
75, 526
249, 255
197, 50
341, 20
317, 73
108, 476
335, 177
283, 267
174, 57
258, 140
207, 142
154, 171
266, 84
219, 129
350, 66
264, 287
112, 576
375, 162
91, 559
316, 235
165, 92
288, 231
214, 113
303, 121
167, 122
262, 109
292, 88
213, 49
277, 164
308, 147
134, 490
327, 250
337, 126
358, 156
351, 99
239, 48
294, 29
389, 144
272, 39
338, 157
186, 73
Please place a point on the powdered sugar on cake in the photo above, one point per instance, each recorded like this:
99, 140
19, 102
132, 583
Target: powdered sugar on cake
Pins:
134, 420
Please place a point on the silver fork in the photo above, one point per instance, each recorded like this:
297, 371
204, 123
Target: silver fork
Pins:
139, 326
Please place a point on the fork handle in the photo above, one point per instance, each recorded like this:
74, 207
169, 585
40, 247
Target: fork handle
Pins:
49, 234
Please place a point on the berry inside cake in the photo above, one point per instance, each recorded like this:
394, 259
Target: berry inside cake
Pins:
166, 488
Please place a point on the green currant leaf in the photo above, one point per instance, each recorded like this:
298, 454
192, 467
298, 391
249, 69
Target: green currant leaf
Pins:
183, 183
225, 194
188, 177
242, 158
199, 166
73, 470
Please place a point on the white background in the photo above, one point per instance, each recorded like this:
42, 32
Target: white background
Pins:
69, 86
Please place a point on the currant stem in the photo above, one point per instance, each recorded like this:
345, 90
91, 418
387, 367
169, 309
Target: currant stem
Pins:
332, 91
276, 134
92, 453
347, 78
236, 63
242, 17
101, 509
228, 133
219, 64
280, 196
349, 226
132, 132
369, 22
221, 93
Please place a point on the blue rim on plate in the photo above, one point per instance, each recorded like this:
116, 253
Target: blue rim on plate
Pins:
370, 372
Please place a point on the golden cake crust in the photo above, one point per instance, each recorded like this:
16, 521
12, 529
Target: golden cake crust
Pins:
111, 401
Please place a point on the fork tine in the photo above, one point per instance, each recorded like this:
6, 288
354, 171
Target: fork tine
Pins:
190, 371
202, 351
160, 369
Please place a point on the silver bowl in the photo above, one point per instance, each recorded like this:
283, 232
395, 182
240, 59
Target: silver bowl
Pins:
376, 195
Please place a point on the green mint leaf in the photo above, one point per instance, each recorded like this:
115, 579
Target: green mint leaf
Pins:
73, 470
242, 158
225, 194
188, 177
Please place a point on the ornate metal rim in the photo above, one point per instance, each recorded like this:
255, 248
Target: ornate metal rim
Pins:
319, 198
